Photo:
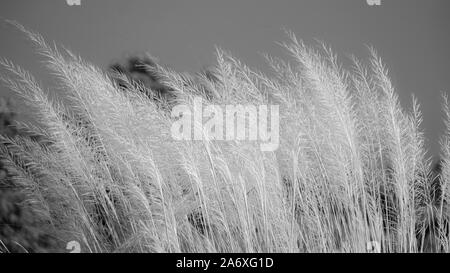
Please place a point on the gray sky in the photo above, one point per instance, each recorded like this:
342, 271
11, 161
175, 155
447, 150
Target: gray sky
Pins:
411, 35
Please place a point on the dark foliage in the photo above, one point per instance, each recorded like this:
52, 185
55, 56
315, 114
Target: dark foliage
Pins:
20, 229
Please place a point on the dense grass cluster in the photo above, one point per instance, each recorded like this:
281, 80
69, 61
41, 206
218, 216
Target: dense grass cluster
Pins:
351, 167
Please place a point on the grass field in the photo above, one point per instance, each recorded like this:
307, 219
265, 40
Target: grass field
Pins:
103, 169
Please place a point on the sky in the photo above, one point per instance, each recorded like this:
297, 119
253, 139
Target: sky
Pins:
412, 36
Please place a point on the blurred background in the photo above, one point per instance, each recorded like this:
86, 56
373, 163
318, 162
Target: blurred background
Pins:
411, 35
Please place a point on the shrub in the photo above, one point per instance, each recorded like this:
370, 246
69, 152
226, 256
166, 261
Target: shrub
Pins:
20, 230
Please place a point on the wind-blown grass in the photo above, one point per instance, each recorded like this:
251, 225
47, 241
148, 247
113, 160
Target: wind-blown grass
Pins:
351, 167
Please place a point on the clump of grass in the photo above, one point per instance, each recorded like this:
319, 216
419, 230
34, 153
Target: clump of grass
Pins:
351, 167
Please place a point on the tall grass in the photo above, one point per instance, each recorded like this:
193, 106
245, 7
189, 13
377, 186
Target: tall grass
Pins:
351, 168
